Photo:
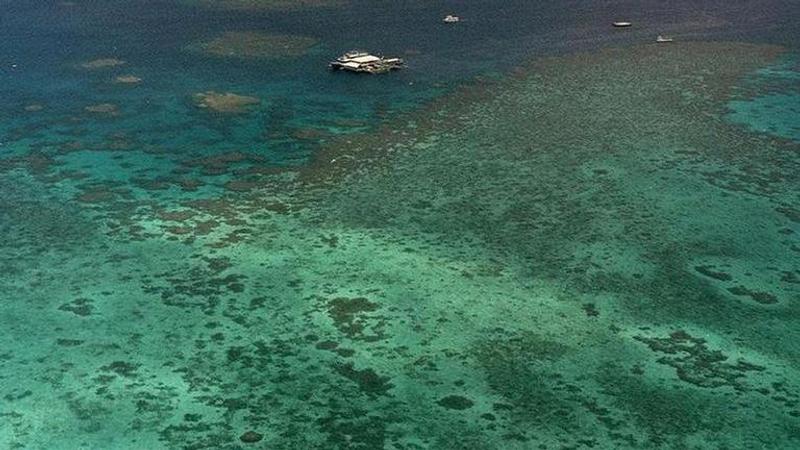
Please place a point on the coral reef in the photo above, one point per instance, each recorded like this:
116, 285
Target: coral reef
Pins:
267, 4
104, 109
255, 44
102, 63
695, 363
224, 102
547, 260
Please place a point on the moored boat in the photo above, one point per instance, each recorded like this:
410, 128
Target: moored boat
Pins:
358, 61
621, 24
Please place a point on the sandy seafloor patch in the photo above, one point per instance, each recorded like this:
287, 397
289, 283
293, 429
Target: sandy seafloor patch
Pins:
591, 252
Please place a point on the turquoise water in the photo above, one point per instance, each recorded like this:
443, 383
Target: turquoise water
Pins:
545, 233
775, 107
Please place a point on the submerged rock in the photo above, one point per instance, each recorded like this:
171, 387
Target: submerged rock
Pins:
102, 63
253, 44
108, 109
224, 102
267, 4
127, 79
250, 437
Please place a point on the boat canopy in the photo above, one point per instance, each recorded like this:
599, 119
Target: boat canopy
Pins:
365, 59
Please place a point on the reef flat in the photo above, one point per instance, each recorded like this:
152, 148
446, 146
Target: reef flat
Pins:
588, 253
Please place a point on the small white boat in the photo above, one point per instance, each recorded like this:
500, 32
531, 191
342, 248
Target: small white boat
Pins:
662, 39
451, 19
622, 24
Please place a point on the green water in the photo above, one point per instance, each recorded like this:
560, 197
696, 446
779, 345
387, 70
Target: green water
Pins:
599, 251
545, 233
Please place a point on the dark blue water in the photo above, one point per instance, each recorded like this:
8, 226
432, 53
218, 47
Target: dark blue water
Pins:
44, 41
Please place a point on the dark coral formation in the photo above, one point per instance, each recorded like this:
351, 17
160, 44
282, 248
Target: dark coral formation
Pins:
368, 381
456, 402
519, 370
764, 298
251, 437
710, 272
79, 307
223, 163
350, 316
121, 368
695, 363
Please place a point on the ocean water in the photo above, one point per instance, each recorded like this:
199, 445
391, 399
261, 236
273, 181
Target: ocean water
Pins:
544, 233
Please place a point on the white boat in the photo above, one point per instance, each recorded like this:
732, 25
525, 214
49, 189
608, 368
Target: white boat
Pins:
358, 61
622, 24
451, 19
661, 39
351, 55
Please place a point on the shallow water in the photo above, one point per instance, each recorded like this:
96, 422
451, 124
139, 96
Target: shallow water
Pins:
544, 233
